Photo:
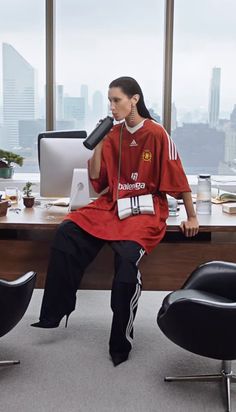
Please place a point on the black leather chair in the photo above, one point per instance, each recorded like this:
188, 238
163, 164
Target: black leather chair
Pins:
201, 318
14, 300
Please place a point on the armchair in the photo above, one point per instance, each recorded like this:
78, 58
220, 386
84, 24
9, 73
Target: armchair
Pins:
14, 300
201, 317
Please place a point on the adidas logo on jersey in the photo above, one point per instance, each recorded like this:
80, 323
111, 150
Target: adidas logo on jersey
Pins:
133, 143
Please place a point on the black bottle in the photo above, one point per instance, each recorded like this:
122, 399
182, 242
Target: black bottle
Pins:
98, 133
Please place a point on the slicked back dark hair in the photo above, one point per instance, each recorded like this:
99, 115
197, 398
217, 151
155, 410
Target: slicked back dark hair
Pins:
130, 87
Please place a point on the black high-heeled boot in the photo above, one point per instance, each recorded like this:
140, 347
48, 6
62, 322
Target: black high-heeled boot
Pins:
50, 324
118, 358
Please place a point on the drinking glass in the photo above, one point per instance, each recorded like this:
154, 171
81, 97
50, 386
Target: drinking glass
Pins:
12, 194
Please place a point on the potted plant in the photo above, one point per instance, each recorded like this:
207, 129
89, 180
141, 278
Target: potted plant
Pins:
28, 199
6, 163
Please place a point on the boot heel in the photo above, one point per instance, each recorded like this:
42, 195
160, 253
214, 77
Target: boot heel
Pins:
67, 317
50, 324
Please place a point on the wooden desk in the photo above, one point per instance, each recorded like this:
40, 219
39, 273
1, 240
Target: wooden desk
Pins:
25, 239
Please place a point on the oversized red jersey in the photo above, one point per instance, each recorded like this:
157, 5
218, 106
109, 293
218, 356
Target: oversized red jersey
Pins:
149, 164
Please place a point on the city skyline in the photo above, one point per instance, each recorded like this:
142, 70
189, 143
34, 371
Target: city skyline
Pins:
90, 96
194, 132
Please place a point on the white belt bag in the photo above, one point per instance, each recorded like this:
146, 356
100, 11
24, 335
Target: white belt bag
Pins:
136, 205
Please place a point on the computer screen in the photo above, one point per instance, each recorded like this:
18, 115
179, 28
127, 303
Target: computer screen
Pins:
59, 154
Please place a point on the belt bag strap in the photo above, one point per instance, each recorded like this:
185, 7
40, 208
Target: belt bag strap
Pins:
119, 163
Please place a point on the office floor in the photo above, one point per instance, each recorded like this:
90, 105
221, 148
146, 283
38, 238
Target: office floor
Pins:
69, 370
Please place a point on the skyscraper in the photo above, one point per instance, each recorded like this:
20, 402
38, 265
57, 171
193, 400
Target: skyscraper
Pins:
74, 110
233, 118
84, 94
214, 100
18, 92
173, 117
230, 138
60, 102
97, 105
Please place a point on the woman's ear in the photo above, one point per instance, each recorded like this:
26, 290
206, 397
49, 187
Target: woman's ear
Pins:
135, 98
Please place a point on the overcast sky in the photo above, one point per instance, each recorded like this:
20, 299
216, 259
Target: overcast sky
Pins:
100, 40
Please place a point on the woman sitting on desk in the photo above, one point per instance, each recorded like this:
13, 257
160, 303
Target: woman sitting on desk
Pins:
137, 157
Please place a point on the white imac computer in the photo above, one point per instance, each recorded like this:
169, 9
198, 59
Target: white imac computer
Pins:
63, 158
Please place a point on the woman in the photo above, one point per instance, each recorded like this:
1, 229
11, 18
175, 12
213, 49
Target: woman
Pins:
137, 157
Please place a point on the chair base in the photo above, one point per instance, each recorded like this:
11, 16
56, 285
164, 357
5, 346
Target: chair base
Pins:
226, 375
9, 362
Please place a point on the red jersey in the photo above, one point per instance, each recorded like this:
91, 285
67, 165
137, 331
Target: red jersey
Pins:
149, 164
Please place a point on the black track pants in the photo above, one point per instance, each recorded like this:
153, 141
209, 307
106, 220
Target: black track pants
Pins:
72, 251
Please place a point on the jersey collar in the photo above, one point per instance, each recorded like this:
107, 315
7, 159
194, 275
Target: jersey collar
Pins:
135, 128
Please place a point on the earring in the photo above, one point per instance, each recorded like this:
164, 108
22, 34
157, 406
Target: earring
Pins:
132, 114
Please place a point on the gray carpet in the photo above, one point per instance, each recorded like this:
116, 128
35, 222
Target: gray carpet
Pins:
69, 370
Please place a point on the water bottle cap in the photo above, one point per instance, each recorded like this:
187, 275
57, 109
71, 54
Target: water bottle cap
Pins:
204, 176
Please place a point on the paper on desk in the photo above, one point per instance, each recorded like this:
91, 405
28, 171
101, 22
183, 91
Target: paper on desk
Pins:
63, 201
224, 198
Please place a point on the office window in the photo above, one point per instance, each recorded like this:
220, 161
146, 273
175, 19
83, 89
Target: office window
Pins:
204, 88
22, 78
98, 42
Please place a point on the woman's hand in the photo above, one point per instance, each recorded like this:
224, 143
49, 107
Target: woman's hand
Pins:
190, 227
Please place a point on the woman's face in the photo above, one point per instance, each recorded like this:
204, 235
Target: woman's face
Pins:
120, 103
